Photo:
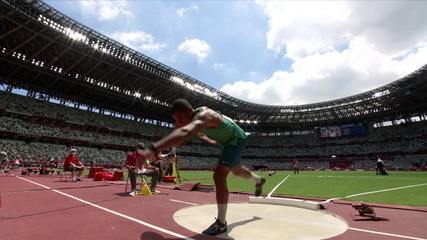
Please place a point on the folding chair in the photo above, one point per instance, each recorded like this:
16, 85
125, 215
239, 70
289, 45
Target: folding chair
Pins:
63, 174
143, 181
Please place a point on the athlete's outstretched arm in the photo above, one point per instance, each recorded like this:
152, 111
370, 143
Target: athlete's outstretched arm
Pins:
207, 139
180, 135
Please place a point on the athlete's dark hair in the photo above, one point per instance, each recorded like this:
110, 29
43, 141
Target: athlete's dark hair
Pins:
180, 105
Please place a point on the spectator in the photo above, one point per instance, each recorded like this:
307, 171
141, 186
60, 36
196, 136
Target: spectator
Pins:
3, 160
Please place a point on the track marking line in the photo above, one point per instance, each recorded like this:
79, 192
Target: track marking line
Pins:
386, 234
112, 211
274, 189
378, 191
179, 201
390, 177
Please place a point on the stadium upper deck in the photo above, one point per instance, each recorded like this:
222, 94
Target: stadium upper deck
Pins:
45, 51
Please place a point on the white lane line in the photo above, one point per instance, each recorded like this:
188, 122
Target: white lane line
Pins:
274, 189
179, 201
378, 191
388, 178
386, 234
112, 212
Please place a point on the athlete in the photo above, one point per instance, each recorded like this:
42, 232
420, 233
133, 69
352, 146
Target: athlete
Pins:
215, 128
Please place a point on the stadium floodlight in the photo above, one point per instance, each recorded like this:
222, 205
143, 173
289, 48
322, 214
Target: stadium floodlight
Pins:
105, 48
177, 80
415, 119
137, 94
380, 94
75, 35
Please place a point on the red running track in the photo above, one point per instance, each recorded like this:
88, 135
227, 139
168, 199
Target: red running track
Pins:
42, 207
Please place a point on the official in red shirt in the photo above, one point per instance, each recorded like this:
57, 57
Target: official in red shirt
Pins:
146, 169
131, 166
73, 164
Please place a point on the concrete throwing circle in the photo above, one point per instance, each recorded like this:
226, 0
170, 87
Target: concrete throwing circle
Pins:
263, 221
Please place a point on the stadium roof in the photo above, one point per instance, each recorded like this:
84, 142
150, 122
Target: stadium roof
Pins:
43, 50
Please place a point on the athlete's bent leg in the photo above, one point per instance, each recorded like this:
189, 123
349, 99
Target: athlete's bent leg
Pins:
244, 172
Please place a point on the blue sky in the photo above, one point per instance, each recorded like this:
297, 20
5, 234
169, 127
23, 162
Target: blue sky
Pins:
277, 53
236, 36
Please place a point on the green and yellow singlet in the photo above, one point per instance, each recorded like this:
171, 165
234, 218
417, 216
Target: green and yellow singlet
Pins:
228, 133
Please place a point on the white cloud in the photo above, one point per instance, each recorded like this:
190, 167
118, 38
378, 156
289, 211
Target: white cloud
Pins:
199, 48
181, 12
303, 28
106, 10
392, 26
330, 75
338, 49
138, 40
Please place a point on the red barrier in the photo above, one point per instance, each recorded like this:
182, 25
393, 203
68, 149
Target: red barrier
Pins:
107, 176
169, 178
99, 176
94, 170
117, 176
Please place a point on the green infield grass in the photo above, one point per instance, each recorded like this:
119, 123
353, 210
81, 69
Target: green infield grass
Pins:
333, 184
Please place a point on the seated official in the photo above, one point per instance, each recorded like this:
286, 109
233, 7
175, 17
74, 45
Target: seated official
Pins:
131, 166
73, 164
157, 162
147, 169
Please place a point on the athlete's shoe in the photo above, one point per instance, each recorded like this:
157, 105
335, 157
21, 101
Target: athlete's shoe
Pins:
133, 193
216, 228
258, 187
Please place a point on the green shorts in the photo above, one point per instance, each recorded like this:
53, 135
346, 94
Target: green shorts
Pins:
231, 154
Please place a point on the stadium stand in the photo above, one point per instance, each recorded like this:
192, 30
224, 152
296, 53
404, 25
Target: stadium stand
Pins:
36, 121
